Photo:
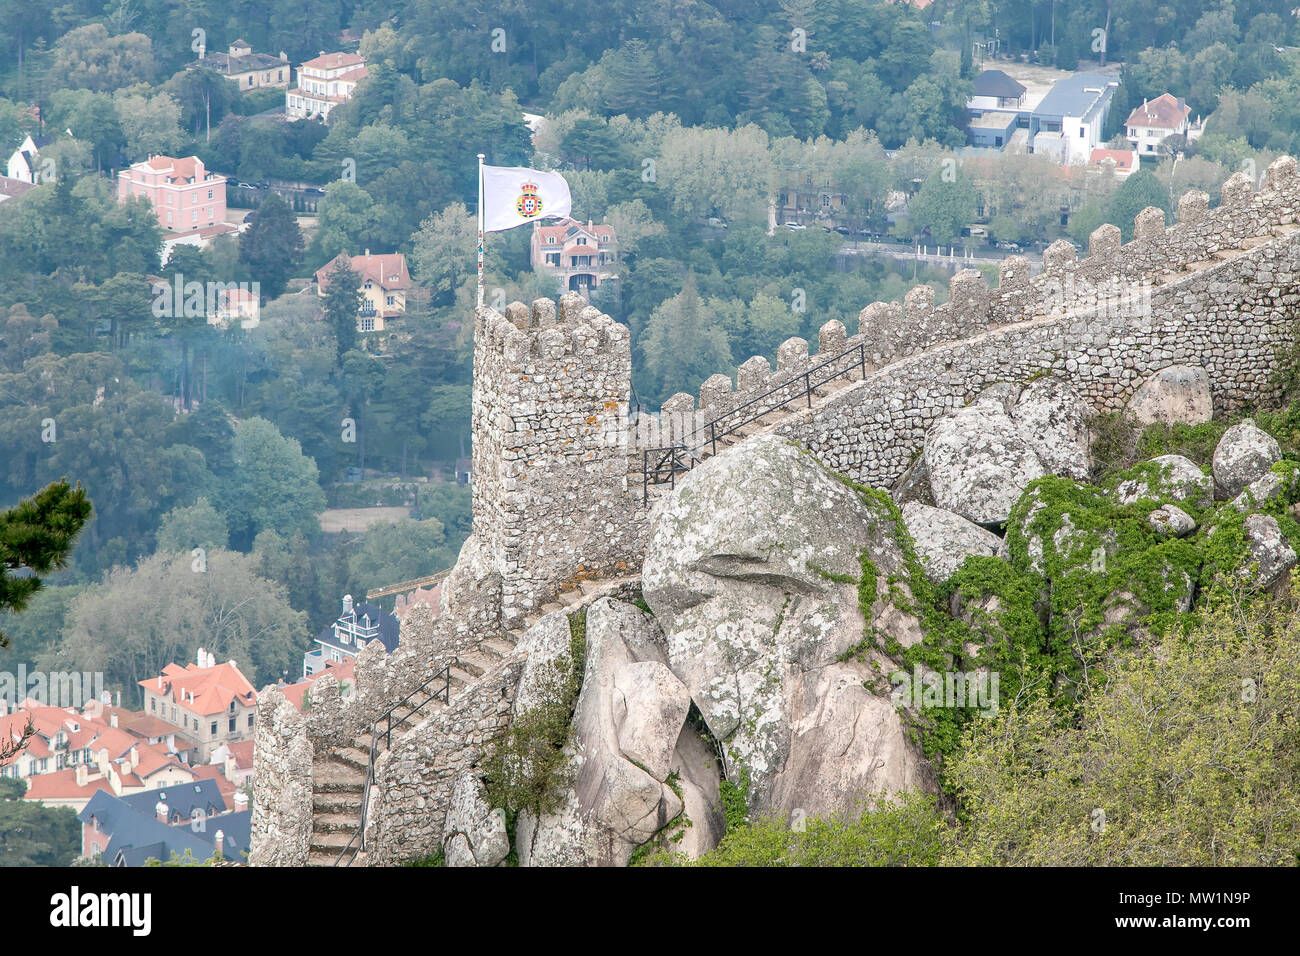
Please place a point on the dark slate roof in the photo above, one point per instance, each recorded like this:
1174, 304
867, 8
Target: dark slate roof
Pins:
387, 623
997, 83
137, 835
181, 800
1075, 95
236, 834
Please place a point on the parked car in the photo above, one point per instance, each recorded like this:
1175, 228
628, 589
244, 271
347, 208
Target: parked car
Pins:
793, 225
314, 190
1007, 246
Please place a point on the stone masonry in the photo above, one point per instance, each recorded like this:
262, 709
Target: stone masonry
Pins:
552, 504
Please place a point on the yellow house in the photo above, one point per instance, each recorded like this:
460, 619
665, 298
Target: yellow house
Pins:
384, 284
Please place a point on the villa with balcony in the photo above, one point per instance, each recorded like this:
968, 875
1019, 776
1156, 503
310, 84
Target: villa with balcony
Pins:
579, 257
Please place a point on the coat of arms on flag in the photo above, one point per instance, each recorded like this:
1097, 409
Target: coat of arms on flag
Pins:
515, 196
529, 204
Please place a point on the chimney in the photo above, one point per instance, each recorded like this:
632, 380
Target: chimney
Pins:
112, 720
367, 252
284, 56
347, 604
82, 774
218, 840
241, 800
119, 698
160, 811
200, 657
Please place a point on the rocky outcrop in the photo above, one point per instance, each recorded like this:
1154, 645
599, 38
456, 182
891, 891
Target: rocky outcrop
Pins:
1171, 520
1054, 421
1244, 453
979, 463
475, 834
629, 718
753, 573
943, 539
1270, 553
1179, 394
1167, 477
979, 459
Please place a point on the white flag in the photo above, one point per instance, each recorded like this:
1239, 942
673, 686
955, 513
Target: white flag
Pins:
515, 196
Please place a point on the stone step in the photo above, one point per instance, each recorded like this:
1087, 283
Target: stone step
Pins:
354, 757
549, 607
336, 803
460, 679
322, 823
330, 857
331, 840
497, 647
473, 662
330, 776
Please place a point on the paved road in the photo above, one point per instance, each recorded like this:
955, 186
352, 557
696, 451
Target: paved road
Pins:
932, 255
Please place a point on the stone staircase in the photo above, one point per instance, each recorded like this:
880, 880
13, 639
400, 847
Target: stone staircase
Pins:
339, 778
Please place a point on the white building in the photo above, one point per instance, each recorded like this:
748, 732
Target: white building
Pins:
324, 83
1148, 126
1067, 124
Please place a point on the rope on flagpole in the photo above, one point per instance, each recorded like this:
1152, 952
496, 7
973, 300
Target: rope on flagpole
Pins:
480, 230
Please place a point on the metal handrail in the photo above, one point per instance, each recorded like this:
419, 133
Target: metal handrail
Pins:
668, 461
359, 835
807, 390
710, 432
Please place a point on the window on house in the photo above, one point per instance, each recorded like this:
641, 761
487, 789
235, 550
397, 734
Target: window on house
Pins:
1083, 132
392, 300
209, 193
367, 325
232, 725
214, 728
250, 721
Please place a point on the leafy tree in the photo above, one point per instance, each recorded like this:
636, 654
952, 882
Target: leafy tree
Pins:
36, 536
399, 552
1137, 192
196, 526
139, 619
445, 252
944, 205
1185, 756
272, 245
271, 485
32, 834
150, 124
88, 58
682, 344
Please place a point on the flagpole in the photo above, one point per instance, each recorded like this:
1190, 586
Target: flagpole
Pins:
480, 230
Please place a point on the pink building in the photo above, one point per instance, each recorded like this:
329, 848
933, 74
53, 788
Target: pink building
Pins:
184, 194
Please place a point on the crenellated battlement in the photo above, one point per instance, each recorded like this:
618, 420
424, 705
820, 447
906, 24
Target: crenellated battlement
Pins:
546, 332
1113, 274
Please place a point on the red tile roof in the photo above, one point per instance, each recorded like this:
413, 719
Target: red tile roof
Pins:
333, 61
1122, 158
203, 690
294, 693
388, 271
1164, 112
62, 785
558, 230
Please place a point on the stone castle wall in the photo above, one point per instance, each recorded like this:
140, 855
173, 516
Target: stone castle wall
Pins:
551, 495
1230, 319
553, 503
